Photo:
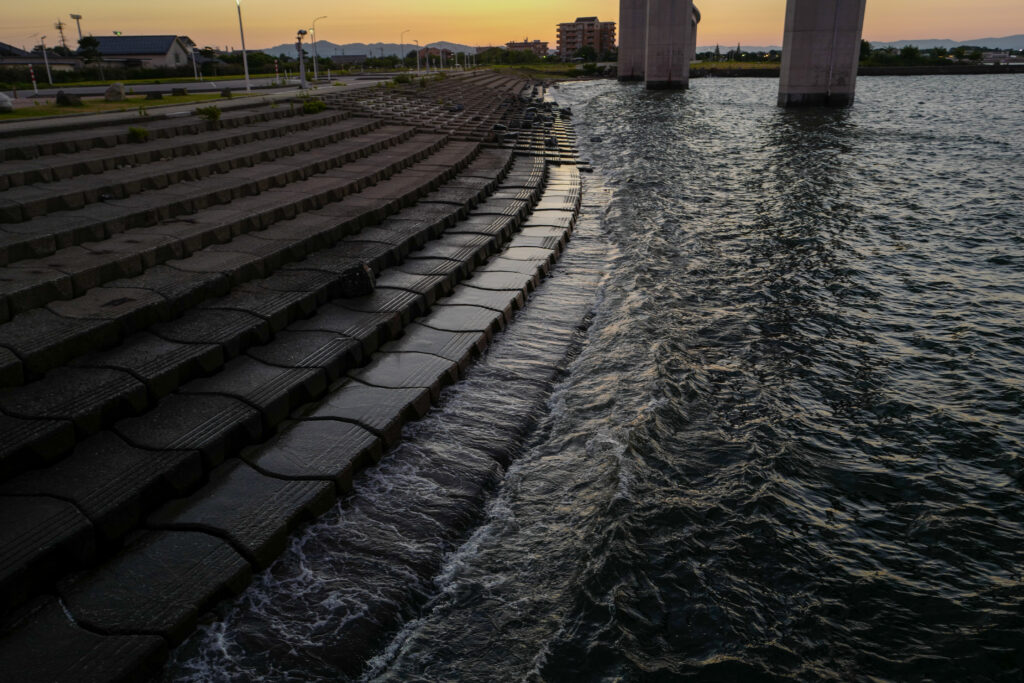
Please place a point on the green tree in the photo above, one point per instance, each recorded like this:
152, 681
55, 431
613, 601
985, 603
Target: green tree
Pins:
586, 53
89, 51
865, 50
976, 56
960, 52
910, 53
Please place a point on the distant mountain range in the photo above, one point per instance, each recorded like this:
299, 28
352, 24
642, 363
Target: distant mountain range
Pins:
325, 48
1005, 43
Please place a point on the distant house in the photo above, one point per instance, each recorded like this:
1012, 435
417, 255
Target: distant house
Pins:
145, 51
15, 58
537, 47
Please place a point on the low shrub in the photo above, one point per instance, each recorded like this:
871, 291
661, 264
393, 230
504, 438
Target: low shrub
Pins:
138, 134
313, 106
211, 113
403, 78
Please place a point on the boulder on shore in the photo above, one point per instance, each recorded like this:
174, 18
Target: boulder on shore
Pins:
68, 100
115, 93
6, 105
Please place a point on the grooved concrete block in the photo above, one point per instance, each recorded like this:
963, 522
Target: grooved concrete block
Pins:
333, 353
317, 449
408, 370
216, 426
112, 483
465, 319
253, 511
46, 645
380, 410
159, 584
40, 538
275, 391
458, 347
161, 365
89, 397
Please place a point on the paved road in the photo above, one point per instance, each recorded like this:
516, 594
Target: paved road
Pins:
209, 85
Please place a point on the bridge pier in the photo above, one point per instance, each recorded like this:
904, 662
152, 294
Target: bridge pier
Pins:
820, 52
632, 39
669, 43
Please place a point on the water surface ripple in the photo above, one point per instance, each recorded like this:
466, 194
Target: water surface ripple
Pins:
793, 446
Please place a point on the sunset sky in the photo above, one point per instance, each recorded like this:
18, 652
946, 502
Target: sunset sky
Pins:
474, 22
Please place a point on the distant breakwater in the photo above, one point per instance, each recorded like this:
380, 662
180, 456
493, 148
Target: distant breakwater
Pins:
940, 70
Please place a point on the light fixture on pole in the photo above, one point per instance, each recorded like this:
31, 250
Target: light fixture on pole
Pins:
78, 20
245, 60
417, 57
316, 73
42, 44
302, 61
401, 47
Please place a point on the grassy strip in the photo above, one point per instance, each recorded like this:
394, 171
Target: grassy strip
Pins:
143, 81
135, 103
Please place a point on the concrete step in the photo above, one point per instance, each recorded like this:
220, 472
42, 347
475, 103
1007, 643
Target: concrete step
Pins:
23, 203
45, 338
73, 271
46, 143
253, 508
15, 173
115, 477
104, 385
40, 237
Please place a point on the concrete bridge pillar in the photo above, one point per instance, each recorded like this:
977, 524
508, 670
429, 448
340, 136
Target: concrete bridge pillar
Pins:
632, 39
669, 25
820, 52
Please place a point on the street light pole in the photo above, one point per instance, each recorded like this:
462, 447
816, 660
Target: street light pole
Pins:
42, 44
401, 48
302, 62
245, 59
316, 72
78, 21
417, 57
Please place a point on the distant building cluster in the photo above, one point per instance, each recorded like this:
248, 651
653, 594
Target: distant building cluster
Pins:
585, 32
537, 47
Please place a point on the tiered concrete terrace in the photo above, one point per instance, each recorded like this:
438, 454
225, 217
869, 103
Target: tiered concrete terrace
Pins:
205, 335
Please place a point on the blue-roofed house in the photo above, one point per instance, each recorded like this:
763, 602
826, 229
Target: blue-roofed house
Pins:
145, 51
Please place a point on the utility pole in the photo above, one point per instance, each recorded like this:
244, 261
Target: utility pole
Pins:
60, 29
401, 48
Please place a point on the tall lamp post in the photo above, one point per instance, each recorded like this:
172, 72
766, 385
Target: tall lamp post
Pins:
417, 57
42, 44
316, 73
245, 60
302, 62
401, 48
78, 21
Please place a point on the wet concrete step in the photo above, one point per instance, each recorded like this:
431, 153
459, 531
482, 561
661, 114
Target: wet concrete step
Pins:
73, 271
123, 381
43, 236
44, 143
22, 203
15, 173
114, 478
250, 507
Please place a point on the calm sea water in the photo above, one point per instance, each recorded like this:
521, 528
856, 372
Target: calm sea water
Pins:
790, 445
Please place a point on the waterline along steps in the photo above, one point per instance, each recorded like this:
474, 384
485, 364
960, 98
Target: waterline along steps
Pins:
203, 336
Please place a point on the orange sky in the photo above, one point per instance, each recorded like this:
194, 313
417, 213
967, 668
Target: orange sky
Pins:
474, 22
